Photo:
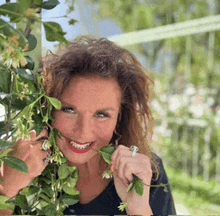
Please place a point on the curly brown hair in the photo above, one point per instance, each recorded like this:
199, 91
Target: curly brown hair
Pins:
88, 56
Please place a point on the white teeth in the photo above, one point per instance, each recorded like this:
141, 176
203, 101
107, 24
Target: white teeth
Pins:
77, 146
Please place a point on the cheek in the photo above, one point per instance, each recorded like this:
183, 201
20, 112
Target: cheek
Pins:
105, 131
60, 122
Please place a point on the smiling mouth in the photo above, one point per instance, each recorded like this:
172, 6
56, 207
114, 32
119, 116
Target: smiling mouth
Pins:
80, 146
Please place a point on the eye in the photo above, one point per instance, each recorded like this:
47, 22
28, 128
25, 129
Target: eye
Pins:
102, 115
68, 110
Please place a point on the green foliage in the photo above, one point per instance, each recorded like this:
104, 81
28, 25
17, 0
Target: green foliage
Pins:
139, 187
4, 205
106, 153
15, 163
28, 107
207, 191
50, 4
140, 15
54, 32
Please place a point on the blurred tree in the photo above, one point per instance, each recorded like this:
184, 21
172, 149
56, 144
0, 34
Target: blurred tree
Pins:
134, 15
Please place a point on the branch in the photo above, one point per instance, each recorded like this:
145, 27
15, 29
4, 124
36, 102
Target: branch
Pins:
9, 108
28, 27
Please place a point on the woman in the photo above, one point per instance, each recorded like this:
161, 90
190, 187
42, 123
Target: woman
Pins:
104, 92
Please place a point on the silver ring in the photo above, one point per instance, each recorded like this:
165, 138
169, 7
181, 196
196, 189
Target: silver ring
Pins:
44, 145
47, 160
134, 150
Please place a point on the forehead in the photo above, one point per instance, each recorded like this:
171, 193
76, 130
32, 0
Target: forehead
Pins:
93, 92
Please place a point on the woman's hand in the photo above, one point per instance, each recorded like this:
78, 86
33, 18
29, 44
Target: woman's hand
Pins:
124, 166
31, 153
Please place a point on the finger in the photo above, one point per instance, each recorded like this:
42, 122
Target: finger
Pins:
43, 134
32, 134
126, 153
128, 172
120, 151
120, 168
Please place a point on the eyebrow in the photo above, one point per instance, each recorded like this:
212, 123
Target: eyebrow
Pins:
99, 110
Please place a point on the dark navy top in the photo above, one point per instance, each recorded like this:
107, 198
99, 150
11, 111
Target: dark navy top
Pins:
107, 202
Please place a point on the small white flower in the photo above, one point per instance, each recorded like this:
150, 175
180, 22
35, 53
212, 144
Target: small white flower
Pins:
107, 174
122, 206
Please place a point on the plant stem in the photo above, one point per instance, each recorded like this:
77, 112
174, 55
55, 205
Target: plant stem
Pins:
28, 27
9, 107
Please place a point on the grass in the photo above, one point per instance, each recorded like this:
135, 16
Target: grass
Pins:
197, 196
195, 205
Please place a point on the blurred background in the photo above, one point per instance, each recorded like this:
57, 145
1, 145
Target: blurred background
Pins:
178, 42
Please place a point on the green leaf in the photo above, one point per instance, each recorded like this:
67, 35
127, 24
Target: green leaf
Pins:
108, 149
33, 190
54, 32
5, 153
30, 63
50, 4
63, 171
10, 10
4, 205
2, 127
139, 186
55, 102
44, 197
72, 21
9, 31
69, 200
47, 190
6, 29
70, 190
26, 73
46, 180
75, 174
21, 201
106, 157
165, 189
24, 191
37, 2
5, 81
71, 182
106, 153
25, 3
38, 123
130, 186
5, 144
15, 163
32, 40
1, 180
50, 210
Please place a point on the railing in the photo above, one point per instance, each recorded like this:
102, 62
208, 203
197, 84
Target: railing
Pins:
192, 143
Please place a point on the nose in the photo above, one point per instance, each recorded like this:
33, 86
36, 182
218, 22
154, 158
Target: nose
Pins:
84, 131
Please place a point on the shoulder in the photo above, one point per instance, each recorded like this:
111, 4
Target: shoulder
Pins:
157, 167
161, 199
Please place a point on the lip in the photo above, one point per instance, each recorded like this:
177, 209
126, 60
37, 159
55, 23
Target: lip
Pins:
80, 150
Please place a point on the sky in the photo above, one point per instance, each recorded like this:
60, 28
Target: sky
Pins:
88, 23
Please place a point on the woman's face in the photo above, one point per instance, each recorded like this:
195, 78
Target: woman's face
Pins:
88, 117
